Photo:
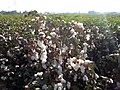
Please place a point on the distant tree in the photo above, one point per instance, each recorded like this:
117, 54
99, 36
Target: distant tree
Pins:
10, 12
33, 12
91, 12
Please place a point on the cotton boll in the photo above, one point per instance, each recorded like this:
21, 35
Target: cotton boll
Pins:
85, 78
96, 76
10, 38
36, 56
82, 68
40, 73
55, 86
118, 84
111, 81
41, 44
32, 31
48, 37
85, 55
37, 18
32, 57
37, 88
60, 86
43, 57
75, 77
44, 66
75, 66
85, 48
88, 37
44, 87
42, 34
33, 20
53, 34
60, 59
82, 52
59, 69
35, 75
75, 63
63, 80
9, 54
68, 85
80, 25
44, 17
72, 30
86, 62
44, 61
26, 87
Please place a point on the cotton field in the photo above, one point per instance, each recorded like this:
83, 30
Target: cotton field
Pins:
59, 53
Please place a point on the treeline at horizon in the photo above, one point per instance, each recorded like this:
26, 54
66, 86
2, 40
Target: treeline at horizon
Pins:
27, 12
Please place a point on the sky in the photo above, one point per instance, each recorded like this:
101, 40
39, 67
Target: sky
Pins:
60, 6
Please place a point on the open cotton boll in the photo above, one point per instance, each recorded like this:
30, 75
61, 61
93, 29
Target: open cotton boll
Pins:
44, 61
40, 73
60, 59
44, 65
64, 49
68, 85
33, 20
55, 86
85, 78
82, 68
96, 76
111, 80
53, 34
118, 84
60, 86
9, 53
85, 55
72, 30
41, 44
80, 25
82, 52
75, 63
32, 31
85, 48
75, 78
59, 69
88, 62
88, 37
35, 56
44, 87
76, 67
42, 34
32, 57
37, 18
63, 80
43, 57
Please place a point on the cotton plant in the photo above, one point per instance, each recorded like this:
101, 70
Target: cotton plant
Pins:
35, 56
79, 27
73, 32
75, 63
80, 64
59, 85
